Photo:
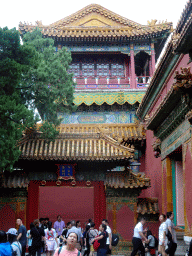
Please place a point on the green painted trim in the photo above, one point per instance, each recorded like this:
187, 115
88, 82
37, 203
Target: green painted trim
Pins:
155, 89
120, 97
181, 134
174, 119
174, 191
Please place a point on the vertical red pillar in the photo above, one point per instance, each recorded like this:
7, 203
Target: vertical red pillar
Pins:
133, 77
32, 202
99, 203
153, 58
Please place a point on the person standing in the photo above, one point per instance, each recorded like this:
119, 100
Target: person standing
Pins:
22, 235
102, 250
59, 225
46, 221
77, 231
86, 241
137, 238
29, 239
92, 234
172, 243
162, 235
78, 226
109, 238
150, 246
70, 248
63, 236
89, 222
37, 234
5, 247
16, 246
51, 239
41, 222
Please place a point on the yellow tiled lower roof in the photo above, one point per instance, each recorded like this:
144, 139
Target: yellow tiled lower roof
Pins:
82, 142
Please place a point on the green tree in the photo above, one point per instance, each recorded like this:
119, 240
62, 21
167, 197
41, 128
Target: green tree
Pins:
33, 76
50, 83
15, 60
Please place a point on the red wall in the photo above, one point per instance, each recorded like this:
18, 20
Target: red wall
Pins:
7, 218
72, 203
183, 63
99, 200
188, 190
125, 222
152, 171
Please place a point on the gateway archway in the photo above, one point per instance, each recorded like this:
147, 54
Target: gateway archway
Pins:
72, 203
82, 200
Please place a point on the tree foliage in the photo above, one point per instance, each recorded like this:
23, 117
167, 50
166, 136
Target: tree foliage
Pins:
50, 83
33, 76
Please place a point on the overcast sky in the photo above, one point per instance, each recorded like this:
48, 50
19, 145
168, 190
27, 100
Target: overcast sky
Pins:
140, 11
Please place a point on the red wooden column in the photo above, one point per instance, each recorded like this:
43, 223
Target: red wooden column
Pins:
152, 58
133, 77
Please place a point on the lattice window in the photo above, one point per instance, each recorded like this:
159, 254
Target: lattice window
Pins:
117, 70
88, 70
102, 70
75, 69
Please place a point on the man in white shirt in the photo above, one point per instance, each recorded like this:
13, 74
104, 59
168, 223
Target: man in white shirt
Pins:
172, 244
109, 238
137, 238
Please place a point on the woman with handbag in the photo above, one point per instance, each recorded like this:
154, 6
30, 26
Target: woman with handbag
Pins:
101, 239
92, 234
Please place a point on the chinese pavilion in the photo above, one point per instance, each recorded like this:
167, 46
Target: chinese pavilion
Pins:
166, 110
91, 169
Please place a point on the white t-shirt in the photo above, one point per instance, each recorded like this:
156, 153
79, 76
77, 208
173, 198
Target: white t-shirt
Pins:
138, 228
162, 229
109, 232
16, 246
169, 223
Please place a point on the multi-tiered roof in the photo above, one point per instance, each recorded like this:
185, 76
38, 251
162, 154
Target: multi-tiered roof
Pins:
96, 23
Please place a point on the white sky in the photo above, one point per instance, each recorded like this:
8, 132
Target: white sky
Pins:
140, 11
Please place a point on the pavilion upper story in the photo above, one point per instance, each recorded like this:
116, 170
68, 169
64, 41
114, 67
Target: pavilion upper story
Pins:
109, 52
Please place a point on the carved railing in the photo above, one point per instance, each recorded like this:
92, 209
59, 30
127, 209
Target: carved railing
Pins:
95, 82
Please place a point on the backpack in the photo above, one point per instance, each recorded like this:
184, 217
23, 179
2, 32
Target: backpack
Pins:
61, 249
115, 240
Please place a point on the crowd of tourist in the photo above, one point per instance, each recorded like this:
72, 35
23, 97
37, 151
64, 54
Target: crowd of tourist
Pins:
145, 243
56, 239
73, 240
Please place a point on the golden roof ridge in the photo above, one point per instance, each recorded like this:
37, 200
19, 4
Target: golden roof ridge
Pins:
104, 11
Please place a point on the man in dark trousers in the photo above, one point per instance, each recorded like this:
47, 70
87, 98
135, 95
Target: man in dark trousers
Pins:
22, 235
137, 238
172, 240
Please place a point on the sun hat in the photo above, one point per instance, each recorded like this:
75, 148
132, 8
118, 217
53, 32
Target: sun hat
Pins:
12, 231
